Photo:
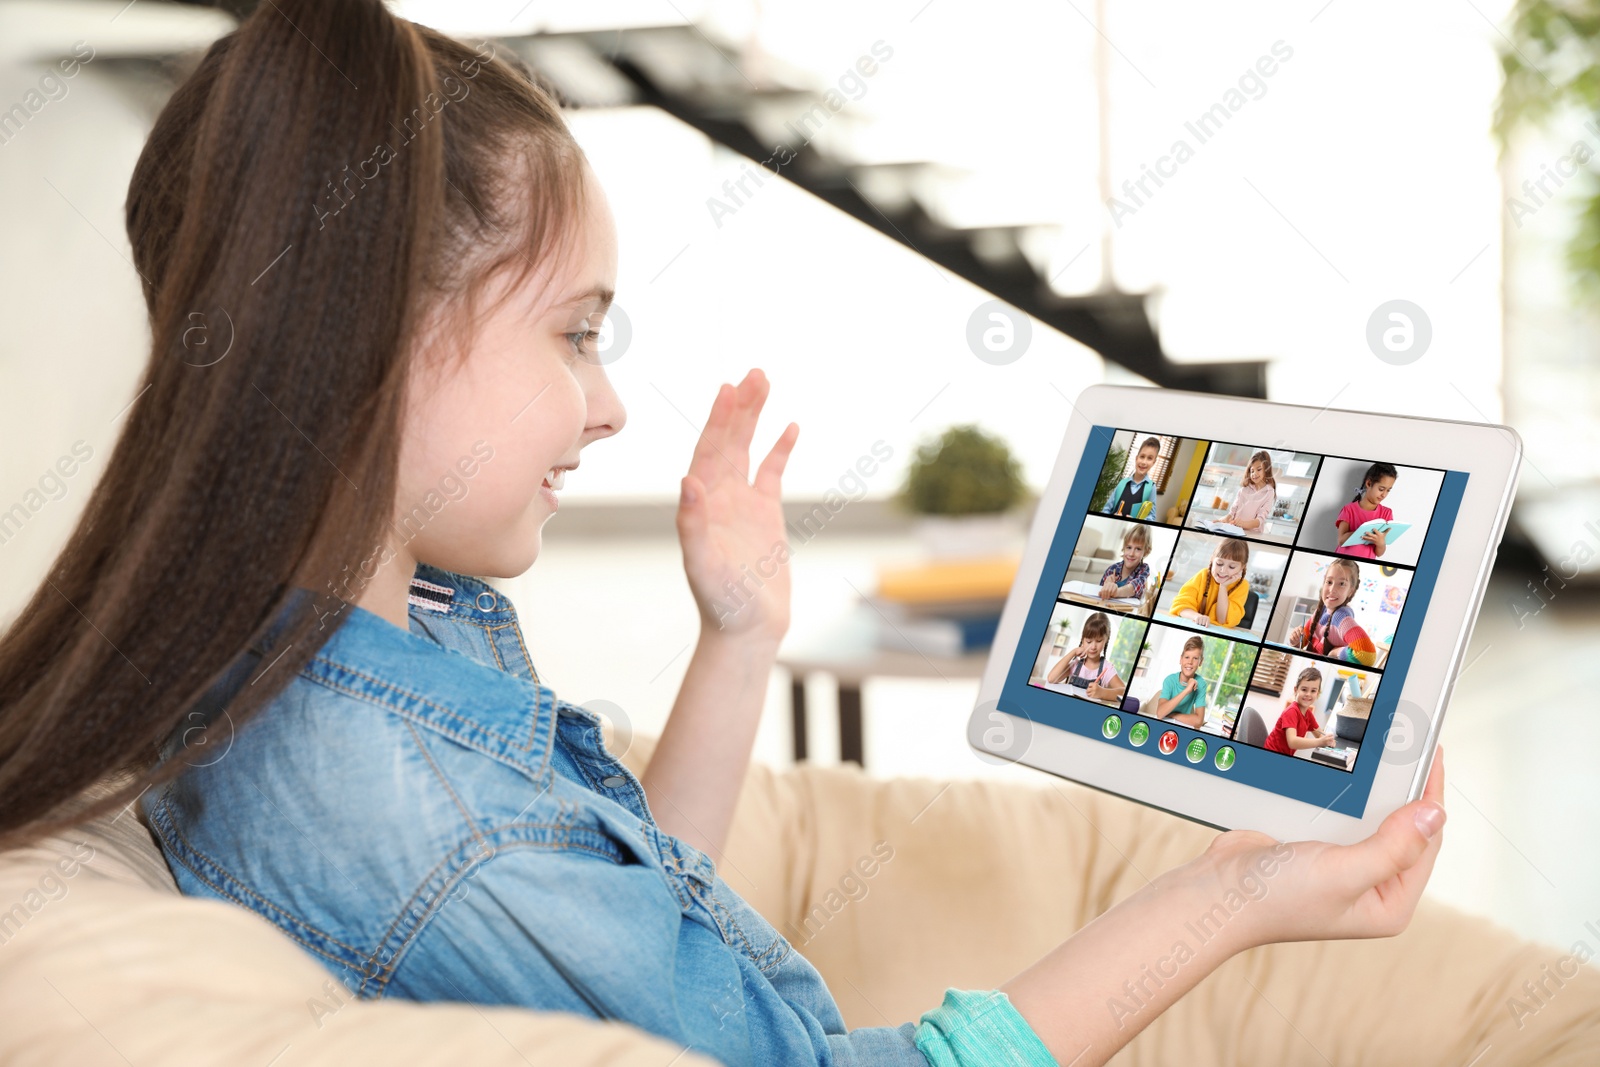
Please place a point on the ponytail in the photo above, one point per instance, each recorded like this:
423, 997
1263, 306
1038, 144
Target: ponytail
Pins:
305, 196
1374, 472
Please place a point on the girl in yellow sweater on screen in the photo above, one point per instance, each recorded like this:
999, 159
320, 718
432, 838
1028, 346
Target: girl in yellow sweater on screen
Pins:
1217, 593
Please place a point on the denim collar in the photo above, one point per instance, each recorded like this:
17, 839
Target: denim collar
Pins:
474, 701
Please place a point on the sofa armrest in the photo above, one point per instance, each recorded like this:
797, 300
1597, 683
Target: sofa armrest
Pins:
103, 962
982, 877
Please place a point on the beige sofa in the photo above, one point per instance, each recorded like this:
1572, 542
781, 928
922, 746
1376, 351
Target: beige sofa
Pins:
103, 962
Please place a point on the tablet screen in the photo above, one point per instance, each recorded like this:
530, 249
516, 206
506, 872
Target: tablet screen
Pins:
1237, 608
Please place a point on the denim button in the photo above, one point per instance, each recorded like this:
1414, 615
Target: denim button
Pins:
611, 781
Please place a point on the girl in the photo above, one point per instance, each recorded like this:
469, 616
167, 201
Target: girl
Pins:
1252, 507
1126, 577
1183, 695
1135, 496
1366, 506
1087, 666
415, 255
1217, 593
1297, 727
1333, 630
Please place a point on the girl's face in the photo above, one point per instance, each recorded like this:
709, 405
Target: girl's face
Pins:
1379, 489
1225, 570
1189, 662
1132, 553
1092, 647
1144, 461
1258, 473
531, 389
1305, 694
1337, 588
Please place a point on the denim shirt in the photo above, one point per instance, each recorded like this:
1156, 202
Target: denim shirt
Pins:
423, 816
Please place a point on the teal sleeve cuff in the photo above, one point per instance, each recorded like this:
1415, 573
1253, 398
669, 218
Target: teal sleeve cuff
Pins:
979, 1029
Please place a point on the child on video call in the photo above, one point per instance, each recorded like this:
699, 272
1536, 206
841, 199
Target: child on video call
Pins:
1086, 663
1183, 695
413, 741
1127, 576
1333, 630
1217, 593
1135, 496
1366, 506
1297, 727
1252, 507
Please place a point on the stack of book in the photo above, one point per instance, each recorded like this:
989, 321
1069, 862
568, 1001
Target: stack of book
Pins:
943, 608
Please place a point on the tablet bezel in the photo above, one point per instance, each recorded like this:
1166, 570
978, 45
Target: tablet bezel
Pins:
1490, 454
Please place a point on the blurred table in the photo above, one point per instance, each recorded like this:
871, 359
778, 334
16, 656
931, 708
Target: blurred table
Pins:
848, 651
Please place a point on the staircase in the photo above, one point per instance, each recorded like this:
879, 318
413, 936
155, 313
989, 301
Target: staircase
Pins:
680, 70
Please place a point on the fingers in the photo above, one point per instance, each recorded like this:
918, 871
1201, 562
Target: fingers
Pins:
769, 478
709, 452
730, 427
1408, 836
750, 398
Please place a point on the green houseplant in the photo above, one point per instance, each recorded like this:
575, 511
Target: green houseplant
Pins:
1550, 67
1110, 474
965, 486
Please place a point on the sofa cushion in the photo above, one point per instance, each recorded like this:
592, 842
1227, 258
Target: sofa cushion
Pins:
103, 961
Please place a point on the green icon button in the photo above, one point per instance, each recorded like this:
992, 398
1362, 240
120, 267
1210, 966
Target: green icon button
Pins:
1138, 734
1112, 726
1224, 757
1196, 750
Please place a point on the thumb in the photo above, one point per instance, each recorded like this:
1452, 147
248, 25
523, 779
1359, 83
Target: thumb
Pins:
1399, 843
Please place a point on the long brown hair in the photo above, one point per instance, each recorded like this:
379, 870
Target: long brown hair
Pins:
1353, 569
327, 177
1264, 458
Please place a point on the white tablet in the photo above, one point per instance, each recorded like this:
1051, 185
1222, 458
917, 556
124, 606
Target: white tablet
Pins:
1192, 629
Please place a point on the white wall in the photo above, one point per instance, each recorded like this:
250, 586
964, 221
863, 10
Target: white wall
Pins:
74, 338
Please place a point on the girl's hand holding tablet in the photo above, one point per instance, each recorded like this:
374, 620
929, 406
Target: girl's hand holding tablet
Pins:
1367, 889
1301, 891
